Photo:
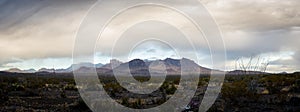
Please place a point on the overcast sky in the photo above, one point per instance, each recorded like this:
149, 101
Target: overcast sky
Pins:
41, 33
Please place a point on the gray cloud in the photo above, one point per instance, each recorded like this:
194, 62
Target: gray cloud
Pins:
256, 27
39, 28
255, 15
46, 28
151, 51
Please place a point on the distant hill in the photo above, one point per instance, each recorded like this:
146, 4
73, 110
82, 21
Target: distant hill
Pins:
51, 70
239, 72
46, 70
81, 65
17, 70
14, 70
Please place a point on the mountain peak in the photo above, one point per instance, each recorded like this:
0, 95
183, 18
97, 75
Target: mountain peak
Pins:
170, 61
15, 70
113, 63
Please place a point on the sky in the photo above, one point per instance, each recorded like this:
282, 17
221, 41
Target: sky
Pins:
41, 33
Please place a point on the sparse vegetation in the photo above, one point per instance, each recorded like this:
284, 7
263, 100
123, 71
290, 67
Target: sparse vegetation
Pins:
29, 92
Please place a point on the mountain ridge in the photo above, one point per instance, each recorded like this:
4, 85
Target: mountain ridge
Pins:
137, 66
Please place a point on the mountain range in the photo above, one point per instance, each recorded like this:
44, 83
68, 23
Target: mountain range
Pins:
157, 67
135, 67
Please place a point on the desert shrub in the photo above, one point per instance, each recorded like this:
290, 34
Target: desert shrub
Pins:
234, 90
171, 89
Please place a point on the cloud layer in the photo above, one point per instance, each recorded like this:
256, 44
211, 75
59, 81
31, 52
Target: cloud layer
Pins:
45, 29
